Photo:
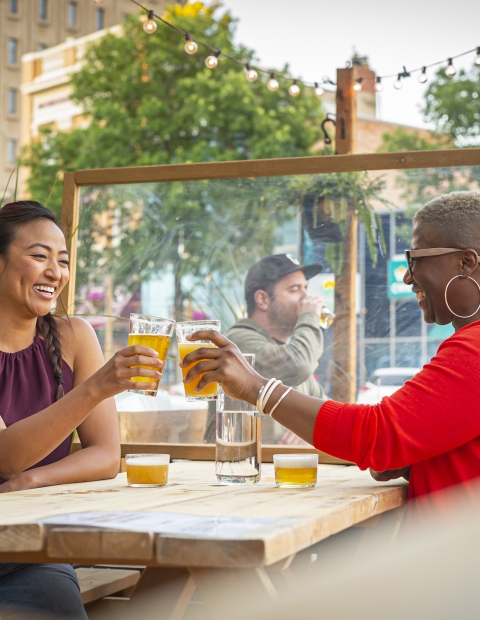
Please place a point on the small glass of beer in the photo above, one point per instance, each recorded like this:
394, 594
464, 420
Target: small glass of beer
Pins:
295, 471
326, 318
186, 346
147, 470
155, 333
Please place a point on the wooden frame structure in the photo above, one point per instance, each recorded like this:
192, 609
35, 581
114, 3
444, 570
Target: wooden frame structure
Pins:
74, 181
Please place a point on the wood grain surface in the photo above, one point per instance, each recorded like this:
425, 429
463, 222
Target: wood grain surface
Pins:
344, 496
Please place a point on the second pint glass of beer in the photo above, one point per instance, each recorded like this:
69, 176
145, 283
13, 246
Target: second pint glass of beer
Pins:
155, 333
187, 346
295, 471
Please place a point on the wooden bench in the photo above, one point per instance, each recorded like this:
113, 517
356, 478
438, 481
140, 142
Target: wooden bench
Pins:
97, 582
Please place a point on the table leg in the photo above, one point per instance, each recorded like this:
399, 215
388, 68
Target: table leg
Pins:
161, 594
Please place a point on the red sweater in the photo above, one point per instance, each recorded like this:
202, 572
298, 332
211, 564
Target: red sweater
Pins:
432, 423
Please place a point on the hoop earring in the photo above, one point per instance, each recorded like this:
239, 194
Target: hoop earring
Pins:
446, 302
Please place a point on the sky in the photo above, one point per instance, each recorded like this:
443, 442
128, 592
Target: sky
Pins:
316, 37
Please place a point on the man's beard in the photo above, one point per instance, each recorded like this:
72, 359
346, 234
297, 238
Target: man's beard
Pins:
283, 319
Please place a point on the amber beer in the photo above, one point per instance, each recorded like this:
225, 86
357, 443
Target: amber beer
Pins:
295, 471
155, 333
212, 388
147, 470
185, 329
160, 344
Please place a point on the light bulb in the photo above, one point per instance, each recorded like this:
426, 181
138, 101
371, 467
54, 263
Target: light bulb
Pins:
450, 70
378, 84
318, 90
398, 83
98, 1
150, 25
272, 83
422, 78
477, 58
250, 73
294, 89
358, 84
212, 61
190, 46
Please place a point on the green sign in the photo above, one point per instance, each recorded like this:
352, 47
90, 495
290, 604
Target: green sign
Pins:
397, 289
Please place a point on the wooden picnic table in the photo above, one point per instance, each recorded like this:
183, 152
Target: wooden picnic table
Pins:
298, 518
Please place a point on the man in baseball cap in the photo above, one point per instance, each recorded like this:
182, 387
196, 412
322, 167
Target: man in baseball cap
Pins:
282, 329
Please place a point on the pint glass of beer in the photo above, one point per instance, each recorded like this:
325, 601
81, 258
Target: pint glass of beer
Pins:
295, 471
155, 333
147, 470
186, 346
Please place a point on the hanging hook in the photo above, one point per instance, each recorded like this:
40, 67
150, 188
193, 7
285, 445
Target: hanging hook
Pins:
329, 119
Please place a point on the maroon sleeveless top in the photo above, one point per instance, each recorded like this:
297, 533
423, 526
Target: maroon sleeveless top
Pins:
28, 385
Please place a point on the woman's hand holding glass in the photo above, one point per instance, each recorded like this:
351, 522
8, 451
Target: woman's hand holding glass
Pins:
116, 375
225, 365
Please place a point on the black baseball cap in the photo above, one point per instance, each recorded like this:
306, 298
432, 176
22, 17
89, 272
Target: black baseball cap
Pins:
270, 269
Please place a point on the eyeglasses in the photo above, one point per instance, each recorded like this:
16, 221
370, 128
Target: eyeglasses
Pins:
411, 255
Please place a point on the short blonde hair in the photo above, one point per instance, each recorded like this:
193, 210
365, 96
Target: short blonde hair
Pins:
455, 218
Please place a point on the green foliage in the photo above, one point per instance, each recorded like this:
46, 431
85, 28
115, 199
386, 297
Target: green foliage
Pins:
453, 106
334, 195
182, 113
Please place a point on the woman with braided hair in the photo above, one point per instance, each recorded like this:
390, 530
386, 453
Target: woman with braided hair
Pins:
53, 381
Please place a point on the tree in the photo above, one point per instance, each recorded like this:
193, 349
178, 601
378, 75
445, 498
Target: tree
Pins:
151, 103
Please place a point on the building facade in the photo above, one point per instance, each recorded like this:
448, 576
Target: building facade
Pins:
35, 25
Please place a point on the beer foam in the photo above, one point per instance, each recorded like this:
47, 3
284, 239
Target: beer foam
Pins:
295, 461
148, 460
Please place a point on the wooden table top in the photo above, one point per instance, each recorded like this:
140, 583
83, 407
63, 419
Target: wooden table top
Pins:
344, 496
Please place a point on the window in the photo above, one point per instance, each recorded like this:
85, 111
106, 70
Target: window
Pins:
42, 13
42, 46
72, 14
12, 51
12, 101
11, 148
100, 19
13, 7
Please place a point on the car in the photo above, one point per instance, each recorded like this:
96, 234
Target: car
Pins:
384, 382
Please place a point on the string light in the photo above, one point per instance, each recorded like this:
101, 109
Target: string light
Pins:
212, 61
150, 25
358, 84
250, 73
272, 83
190, 46
477, 58
450, 70
294, 89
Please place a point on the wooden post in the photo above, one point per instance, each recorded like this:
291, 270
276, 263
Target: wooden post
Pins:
70, 221
344, 380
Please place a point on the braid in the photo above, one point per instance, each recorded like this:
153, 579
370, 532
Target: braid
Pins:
47, 326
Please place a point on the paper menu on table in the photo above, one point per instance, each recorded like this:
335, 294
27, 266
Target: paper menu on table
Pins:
163, 523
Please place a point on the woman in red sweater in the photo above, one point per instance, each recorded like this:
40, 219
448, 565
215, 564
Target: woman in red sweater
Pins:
432, 423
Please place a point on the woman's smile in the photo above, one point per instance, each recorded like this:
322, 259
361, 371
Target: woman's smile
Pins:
47, 291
